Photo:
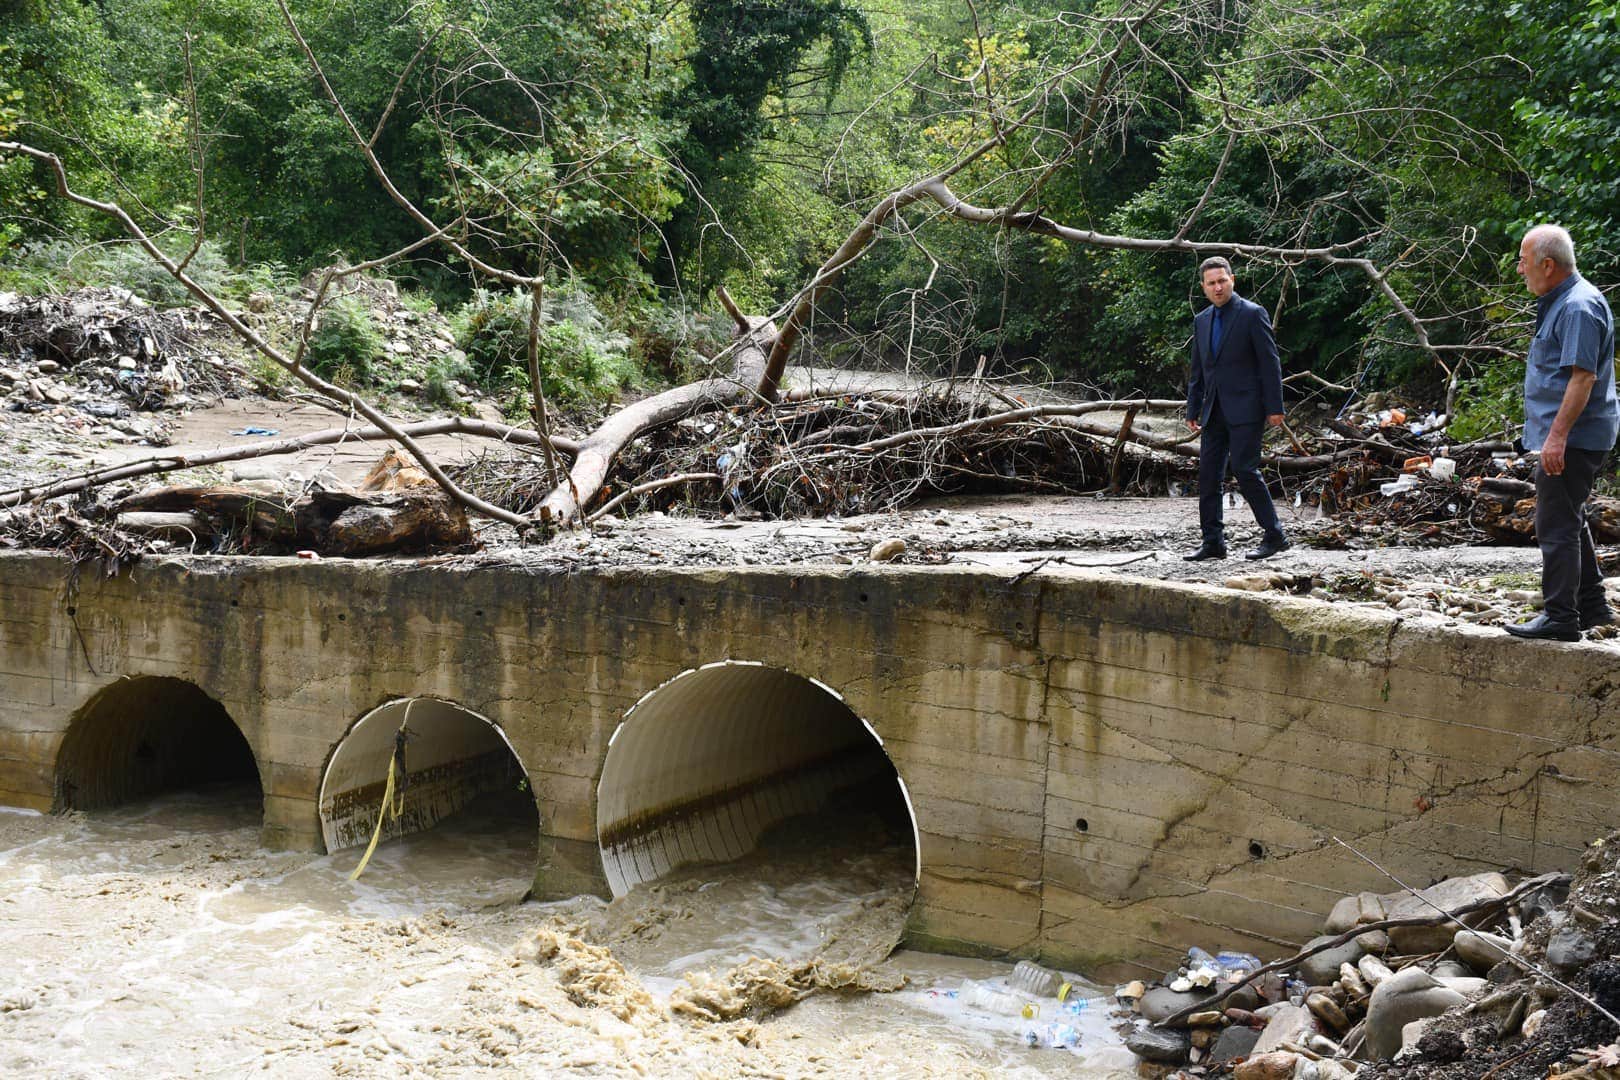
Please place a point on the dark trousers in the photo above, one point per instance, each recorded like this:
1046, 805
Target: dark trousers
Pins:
1570, 579
1218, 443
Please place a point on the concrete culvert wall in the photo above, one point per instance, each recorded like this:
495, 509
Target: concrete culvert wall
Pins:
145, 735
703, 766
452, 757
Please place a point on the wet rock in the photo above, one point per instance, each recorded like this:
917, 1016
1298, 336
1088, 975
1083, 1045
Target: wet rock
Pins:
1327, 1010
1408, 995
1277, 1065
1164, 1046
1288, 1024
1234, 1042
1323, 968
888, 550
1570, 948
1161, 1002
1481, 950
1244, 997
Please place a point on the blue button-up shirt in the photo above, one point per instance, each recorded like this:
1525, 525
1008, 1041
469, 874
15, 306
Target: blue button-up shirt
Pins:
1574, 328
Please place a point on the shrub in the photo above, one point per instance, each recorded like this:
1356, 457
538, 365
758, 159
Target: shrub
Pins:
580, 359
345, 343
1490, 401
55, 266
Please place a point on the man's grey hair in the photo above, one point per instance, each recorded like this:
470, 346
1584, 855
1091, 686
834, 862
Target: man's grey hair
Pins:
1211, 263
1552, 242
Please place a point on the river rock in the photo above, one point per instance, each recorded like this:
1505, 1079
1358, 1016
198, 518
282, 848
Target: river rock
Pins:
1161, 1001
1327, 1010
1481, 949
888, 550
1447, 895
1452, 893
1451, 969
1570, 948
1233, 1042
1277, 1065
1165, 1046
1408, 995
1323, 968
1288, 1024
1325, 1069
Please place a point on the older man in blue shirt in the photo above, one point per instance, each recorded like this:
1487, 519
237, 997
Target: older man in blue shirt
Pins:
1571, 415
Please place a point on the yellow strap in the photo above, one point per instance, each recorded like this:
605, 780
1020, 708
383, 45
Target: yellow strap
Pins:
382, 815
388, 808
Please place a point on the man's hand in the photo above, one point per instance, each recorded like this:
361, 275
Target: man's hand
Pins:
1194, 425
1552, 455
1275, 419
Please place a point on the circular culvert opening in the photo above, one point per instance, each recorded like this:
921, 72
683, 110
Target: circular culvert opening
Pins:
146, 736
730, 756
465, 801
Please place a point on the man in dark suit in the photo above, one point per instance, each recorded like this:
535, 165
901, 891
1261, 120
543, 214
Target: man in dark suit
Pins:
1235, 390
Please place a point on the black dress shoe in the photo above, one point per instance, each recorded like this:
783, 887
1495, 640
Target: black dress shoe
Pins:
1542, 628
1269, 546
1597, 617
1206, 551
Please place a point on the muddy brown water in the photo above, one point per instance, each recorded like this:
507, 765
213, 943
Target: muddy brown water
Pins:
160, 939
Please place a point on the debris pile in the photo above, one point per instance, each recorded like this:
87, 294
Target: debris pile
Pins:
1467, 978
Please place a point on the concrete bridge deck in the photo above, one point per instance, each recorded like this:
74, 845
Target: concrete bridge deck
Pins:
1101, 770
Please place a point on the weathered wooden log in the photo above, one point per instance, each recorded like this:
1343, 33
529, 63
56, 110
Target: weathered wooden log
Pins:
330, 522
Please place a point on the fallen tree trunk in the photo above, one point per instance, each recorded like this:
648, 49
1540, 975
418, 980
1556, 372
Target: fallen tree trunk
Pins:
596, 453
329, 522
165, 463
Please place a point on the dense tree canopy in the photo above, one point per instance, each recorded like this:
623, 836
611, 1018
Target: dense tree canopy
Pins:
651, 151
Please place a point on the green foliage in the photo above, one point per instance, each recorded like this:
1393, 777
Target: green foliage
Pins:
1490, 403
60, 266
443, 372
346, 344
581, 360
1568, 122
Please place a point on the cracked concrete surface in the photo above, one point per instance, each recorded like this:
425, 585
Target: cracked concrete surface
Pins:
1104, 768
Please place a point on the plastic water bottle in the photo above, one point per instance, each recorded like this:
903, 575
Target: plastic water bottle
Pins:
1034, 980
1055, 1036
992, 999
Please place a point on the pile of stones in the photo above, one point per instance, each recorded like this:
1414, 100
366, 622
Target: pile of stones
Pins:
1386, 999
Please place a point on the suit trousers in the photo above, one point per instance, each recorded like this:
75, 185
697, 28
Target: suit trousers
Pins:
1218, 443
1570, 579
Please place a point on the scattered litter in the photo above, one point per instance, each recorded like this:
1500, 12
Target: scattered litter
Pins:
257, 431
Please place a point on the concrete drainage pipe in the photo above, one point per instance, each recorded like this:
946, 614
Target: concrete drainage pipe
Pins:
704, 765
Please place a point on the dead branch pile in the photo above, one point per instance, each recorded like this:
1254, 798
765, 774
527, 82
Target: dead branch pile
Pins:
839, 454
82, 536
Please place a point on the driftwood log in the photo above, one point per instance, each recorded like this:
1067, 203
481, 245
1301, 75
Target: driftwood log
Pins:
329, 522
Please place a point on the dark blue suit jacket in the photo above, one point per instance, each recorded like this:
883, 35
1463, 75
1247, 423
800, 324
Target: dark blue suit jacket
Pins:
1246, 375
